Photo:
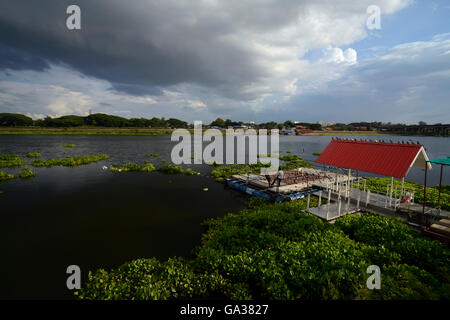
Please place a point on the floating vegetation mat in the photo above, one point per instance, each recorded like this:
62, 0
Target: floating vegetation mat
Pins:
69, 161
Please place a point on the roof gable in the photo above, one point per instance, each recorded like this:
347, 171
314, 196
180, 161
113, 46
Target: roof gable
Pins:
388, 159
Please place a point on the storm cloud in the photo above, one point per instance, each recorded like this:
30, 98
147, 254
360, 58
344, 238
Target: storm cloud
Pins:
239, 59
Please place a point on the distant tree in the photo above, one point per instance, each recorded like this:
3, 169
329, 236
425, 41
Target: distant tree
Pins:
218, 123
176, 123
315, 126
422, 123
14, 119
288, 124
228, 123
105, 120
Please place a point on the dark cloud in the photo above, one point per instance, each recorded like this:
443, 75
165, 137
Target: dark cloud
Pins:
148, 44
11, 58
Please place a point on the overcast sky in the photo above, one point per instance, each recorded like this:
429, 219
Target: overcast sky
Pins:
249, 60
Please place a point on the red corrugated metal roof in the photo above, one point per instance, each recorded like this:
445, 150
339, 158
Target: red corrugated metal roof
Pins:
388, 159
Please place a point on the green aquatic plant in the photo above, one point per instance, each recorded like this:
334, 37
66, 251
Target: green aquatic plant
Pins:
276, 251
317, 153
26, 173
133, 167
6, 176
10, 161
70, 145
290, 158
69, 161
155, 155
220, 173
32, 155
170, 169
148, 167
190, 172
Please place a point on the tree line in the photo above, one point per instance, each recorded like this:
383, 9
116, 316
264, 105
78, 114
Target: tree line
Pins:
98, 119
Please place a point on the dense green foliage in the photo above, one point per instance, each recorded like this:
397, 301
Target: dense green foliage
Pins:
10, 161
379, 185
98, 120
275, 251
69, 161
69, 145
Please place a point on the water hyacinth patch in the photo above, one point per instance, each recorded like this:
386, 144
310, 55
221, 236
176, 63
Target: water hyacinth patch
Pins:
275, 251
69, 161
133, 167
70, 145
10, 161
26, 173
4, 176
32, 155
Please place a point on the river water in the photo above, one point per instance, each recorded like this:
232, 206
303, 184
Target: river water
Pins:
93, 218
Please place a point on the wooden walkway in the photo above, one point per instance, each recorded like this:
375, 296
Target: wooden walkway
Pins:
360, 200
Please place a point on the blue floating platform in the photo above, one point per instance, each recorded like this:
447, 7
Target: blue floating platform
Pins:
268, 196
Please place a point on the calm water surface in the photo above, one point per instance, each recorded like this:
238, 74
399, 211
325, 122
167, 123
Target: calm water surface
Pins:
98, 219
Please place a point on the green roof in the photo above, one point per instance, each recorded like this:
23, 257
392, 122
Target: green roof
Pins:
444, 161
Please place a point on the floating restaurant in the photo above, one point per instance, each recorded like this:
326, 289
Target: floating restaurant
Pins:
338, 169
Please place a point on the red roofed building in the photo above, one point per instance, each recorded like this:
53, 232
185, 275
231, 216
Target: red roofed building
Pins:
388, 159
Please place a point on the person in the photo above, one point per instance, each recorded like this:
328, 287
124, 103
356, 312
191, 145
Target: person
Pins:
280, 177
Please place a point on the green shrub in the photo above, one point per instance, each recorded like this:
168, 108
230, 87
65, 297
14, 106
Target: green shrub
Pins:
276, 251
395, 236
149, 279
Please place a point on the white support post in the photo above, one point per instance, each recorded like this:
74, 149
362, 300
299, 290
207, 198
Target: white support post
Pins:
337, 173
367, 197
348, 204
348, 183
387, 196
320, 198
403, 184
339, 205
328, 204
359, 199
390, 193
307, 203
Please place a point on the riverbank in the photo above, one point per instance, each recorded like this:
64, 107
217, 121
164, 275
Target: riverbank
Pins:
146, 131
83, 131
